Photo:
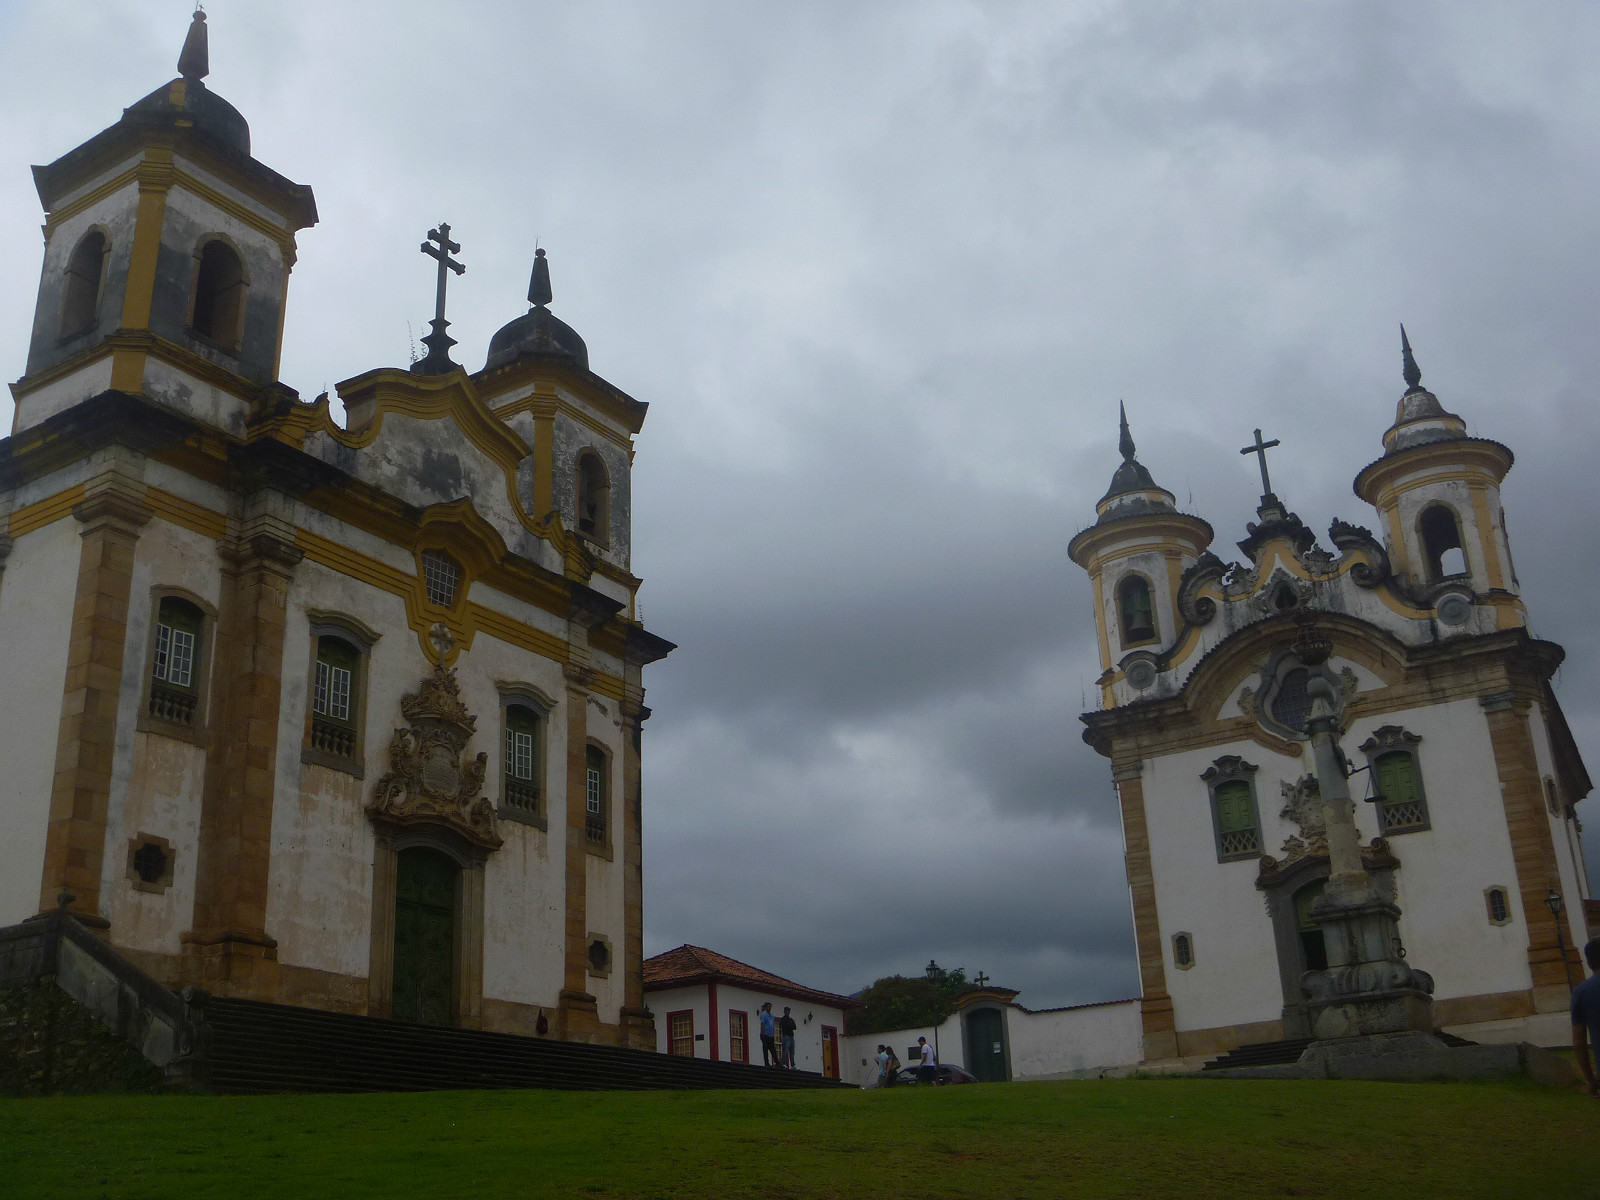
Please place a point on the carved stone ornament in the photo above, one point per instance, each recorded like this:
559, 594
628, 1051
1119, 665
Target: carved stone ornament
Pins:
1302, 804
1353, 539
426, 783
1192, 606
1389, 737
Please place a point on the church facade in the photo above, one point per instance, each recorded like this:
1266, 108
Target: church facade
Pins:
338, 715
1453, 734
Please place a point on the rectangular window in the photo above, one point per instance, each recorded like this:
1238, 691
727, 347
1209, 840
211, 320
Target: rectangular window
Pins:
333, 691
1236, 819
441, 577
738, 1037
521, 766
335, 702
519, 754
1402, 809
595, 796
680, 1033
174, 656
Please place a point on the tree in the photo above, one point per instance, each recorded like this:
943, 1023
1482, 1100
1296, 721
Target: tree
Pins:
896, 1002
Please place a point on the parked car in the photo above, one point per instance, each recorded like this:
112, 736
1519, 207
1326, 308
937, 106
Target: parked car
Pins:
942, 1073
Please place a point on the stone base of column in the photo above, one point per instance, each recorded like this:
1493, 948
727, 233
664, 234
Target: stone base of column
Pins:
578, 1017
236, 963
638, 1028
1368, 987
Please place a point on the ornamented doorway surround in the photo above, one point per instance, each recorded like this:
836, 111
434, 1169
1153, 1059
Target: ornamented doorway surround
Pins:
987, 1053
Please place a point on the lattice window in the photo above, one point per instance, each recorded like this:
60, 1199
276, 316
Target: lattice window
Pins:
595, 795
680, 1033
1498, 900
1182, 951
442, 577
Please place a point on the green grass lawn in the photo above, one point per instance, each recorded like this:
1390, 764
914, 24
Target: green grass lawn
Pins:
1135, 1138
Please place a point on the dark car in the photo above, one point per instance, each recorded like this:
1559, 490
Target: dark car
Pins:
942, 1074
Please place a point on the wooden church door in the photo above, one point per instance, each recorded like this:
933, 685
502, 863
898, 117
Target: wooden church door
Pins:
986, 1050
424, 937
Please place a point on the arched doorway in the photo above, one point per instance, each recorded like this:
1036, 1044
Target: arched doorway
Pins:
425, 901
986, 1044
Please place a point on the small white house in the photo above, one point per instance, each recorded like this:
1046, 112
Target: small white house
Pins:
708, 1005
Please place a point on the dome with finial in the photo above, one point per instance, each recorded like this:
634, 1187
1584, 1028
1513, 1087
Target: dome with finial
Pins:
1133, 492
538, 333
187, 100
1419, 418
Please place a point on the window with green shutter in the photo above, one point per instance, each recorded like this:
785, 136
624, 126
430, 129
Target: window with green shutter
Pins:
1402, 808
1234, 819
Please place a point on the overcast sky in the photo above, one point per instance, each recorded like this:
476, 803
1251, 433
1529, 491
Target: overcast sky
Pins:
882, 272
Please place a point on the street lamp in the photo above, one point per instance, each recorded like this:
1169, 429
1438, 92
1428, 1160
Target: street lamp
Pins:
1552, 901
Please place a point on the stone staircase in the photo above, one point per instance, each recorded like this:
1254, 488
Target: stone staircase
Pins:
229, 1045
247, 1046
1289, 1050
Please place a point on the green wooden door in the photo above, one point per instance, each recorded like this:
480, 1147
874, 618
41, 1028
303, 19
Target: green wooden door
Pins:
986, 1050
424, 937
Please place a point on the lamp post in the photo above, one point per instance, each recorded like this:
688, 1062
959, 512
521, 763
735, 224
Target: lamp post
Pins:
1552, 901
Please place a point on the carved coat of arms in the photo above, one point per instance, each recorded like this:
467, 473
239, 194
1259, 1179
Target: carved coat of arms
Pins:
1302, 804
427, 782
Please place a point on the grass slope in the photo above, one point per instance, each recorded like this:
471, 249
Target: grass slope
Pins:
1195, 1138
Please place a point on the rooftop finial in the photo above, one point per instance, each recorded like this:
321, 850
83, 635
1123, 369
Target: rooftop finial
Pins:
1413, 374
539, 286
1126, 444
194, 62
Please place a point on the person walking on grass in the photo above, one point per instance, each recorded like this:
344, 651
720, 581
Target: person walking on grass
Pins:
926, 1072
769, 1026
786, 1032
1586, 1017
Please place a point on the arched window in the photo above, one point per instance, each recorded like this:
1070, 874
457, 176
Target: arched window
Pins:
1397, 777
219, 289
80, 291
1138, 620
334, 697
1183, 951
176, 664
1441, 543
595, 795
1291, 704
1233, 807
522, 759
594, 494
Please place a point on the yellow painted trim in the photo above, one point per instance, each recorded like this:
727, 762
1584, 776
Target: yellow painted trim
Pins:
541, 405
1491, 552
186, 513
127, 368
155, 176
544, 462
44, 512
1100, 621
239, 212
517, 633
89, 199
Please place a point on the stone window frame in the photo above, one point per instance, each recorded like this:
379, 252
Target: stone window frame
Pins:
1123, 581
1504, 893
1269, 683
362, 637
233, 347
589, 956
1395, 739
527, 696
1230, 768
63, 334
158, 886
600, 535
601, 846
1183, 950
197, 732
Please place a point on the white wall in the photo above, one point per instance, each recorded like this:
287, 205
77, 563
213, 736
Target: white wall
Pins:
1080, 1040
730, 997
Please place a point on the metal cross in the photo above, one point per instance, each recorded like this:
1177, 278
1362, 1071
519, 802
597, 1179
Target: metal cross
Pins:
439, 342
442, 252
981, 979
1260, 451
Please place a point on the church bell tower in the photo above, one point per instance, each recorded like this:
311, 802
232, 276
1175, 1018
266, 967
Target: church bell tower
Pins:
167, 257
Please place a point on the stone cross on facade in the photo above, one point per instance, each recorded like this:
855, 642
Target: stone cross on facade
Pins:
438, 342
1259, 449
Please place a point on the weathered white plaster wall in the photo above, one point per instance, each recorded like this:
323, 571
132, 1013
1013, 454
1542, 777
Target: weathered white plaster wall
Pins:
1066, 1041
572, 439
665, 1001
61, 395
35, 628
174, 388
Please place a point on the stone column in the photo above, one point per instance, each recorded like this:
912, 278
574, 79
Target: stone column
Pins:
111, 514
579, 1019
638, 1024
235, 845
1532, 847
1155, 1005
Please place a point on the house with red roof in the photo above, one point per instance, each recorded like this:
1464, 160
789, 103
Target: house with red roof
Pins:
708, 1005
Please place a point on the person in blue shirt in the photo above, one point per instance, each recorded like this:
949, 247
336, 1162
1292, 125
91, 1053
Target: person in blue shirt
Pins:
769, 1027
1586, 1016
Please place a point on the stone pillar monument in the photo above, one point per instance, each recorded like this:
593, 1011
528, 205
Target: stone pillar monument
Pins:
1367, 988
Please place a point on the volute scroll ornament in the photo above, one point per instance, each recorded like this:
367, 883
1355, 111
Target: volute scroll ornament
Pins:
1192, 606
1352, 539
427, 783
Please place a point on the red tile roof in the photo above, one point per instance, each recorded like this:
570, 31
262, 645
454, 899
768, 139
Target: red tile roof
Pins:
695, 964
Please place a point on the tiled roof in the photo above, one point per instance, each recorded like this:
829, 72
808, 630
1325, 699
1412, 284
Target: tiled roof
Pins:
696, 964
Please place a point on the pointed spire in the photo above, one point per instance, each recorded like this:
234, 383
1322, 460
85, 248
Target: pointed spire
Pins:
1413, 373
539, 286
1126, 444
194, 62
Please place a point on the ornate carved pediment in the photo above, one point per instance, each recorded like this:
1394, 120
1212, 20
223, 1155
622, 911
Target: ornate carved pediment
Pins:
427, 783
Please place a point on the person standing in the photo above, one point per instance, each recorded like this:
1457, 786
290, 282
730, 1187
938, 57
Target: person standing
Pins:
925, 1071
769, 1050
1586, 1017
786, 1031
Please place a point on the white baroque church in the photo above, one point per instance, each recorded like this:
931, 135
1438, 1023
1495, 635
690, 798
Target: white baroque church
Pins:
338, 715
1451, 727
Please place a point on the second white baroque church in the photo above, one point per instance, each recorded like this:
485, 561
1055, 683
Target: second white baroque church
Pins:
1450, 724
